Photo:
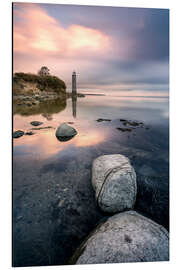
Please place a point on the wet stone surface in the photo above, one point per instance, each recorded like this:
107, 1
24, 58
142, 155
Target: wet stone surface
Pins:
18, 134
36, 123
124, 237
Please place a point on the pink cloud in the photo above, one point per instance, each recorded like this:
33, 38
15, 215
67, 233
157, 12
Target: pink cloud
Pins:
38, 34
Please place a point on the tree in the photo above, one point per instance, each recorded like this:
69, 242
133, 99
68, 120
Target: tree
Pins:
44, 71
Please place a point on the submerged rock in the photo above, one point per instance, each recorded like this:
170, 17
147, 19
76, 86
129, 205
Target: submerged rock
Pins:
114, 181
146, 170
36, 123
29, 133
153, 197
65, 132
101, 120
18, 133
131, 123
123, 120
124, 129
124, 237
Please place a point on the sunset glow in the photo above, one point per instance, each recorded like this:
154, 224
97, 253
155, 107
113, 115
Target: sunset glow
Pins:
38, 33
108, 54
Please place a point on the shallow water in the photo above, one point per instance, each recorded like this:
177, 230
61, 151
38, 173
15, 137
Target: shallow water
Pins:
53, 200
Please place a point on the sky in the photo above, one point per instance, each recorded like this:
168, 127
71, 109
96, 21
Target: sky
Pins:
112, 49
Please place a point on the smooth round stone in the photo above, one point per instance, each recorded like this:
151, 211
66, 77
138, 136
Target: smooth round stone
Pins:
124, 237
65, 132
36, 123
114, 182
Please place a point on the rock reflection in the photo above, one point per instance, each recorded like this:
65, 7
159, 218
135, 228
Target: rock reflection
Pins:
64, 139
48, 116
45, 108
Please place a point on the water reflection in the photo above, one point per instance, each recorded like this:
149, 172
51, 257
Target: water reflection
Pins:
45, 144
47, 171
48, 116
90, 133
46, 108
74, 105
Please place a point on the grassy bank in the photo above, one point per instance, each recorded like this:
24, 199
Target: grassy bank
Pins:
27, 83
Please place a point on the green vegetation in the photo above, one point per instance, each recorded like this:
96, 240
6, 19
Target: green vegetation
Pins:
43, 83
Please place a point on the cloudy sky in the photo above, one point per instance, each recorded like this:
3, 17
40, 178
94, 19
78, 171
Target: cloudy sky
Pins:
112, 49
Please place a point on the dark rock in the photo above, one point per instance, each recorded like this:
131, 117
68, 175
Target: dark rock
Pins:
18, 133
124, 237
101, 120
36, 123
123, 120
29, 133
124, 129
65, 132
132, 123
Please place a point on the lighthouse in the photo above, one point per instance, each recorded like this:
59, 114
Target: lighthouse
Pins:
74, 89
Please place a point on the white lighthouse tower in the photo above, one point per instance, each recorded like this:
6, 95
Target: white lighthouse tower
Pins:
74, 89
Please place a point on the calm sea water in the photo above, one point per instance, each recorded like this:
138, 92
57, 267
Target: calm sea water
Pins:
53, 200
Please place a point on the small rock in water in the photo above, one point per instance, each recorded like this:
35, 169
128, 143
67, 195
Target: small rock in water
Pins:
29, 133
134, 124
114, 181
36, 123
18, 133
124, 129
124, 237
131, 123
101, 120
123, 120
65, 132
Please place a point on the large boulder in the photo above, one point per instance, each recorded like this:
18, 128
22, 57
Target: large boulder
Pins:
114, 181
124, 237
65, 132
